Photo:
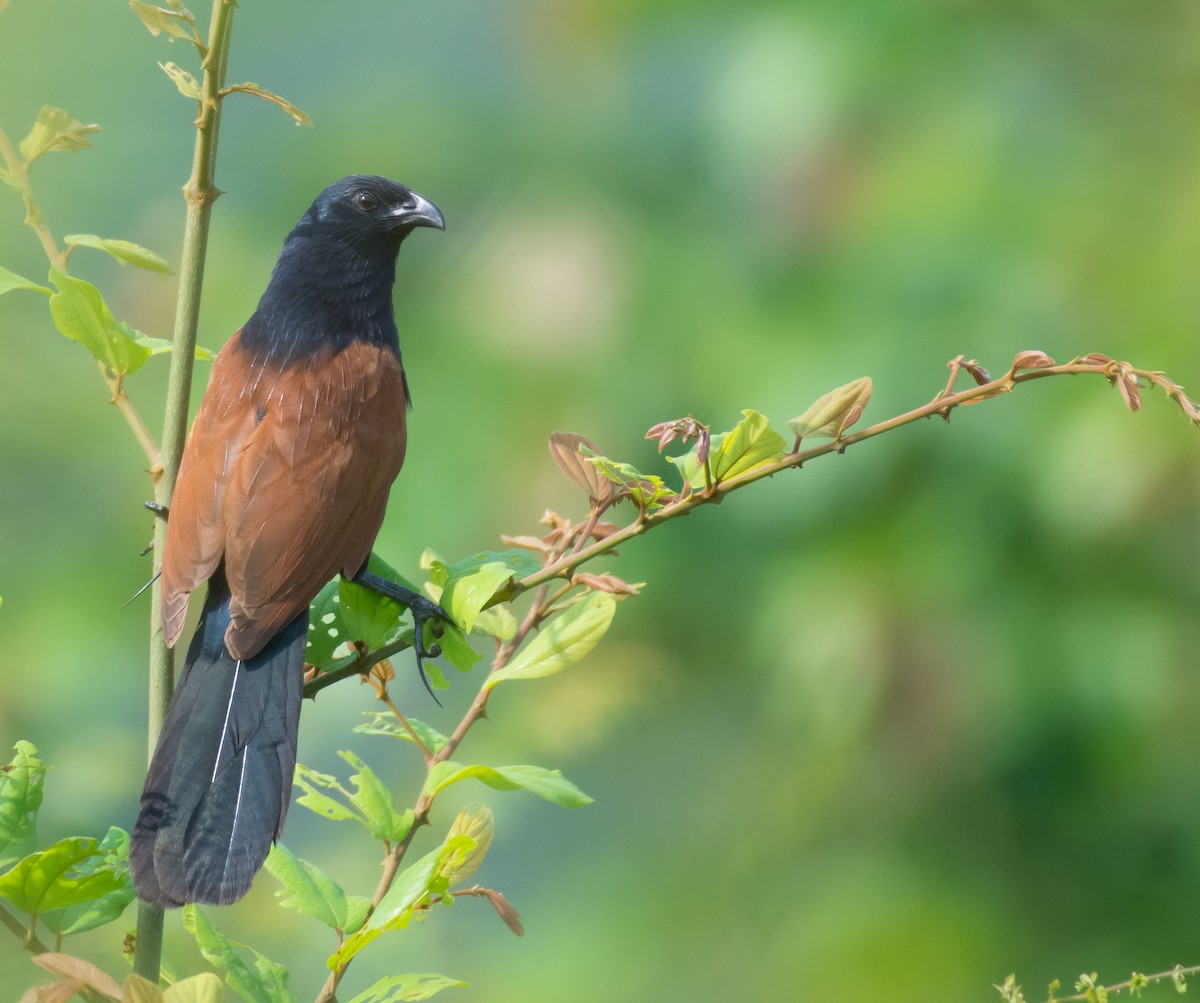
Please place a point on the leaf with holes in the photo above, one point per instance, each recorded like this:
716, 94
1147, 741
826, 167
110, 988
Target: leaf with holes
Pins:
401, 988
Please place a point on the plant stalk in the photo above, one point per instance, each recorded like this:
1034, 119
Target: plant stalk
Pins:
200, 193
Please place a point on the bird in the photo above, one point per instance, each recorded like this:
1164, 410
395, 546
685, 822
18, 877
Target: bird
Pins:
282, 486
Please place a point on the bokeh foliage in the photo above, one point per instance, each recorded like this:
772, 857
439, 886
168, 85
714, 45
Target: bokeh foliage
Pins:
907, 720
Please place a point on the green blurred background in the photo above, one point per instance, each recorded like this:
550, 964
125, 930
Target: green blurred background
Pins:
889, 727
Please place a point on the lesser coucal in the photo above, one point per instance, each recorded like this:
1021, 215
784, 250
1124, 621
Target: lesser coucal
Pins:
281, 487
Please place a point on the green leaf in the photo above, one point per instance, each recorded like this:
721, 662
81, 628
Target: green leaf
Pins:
79, 312
401, 988
325, 628
126, 252
413, 888
379, 723
645, 490
369, 616
161, 346
55, 130
20, 797
357, 908
548, 784
480, 825
344, 612
469, 585
203, 988
112, 859
176, 23
456, 649
266, 982
563, 640
252, 88
751, 444
54, 879
309, 780
307, 888
374, 801
185, 83
834, 412
370, 803
11, 280
497, 622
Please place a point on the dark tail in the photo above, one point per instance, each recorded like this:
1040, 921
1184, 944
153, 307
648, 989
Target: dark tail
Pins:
221, 778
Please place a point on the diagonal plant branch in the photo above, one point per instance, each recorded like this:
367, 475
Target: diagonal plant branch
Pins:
1026, 368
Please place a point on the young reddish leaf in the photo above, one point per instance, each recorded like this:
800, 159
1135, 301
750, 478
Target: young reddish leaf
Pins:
683, 429
977, 372
607, 583
1127, 384
69, 967
505, 910
564, 447
1094, 359
1031, 360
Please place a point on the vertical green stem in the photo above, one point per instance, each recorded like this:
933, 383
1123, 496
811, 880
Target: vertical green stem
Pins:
200, 193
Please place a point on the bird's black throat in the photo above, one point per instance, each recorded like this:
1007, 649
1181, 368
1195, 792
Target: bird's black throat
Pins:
324, 294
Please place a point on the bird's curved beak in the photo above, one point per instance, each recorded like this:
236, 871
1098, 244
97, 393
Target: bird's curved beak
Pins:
419, 211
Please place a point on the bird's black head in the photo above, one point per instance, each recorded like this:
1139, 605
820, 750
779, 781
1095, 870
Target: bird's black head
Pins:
368, 211
333, 281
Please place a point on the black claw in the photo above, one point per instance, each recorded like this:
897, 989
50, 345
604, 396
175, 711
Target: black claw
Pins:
423, 611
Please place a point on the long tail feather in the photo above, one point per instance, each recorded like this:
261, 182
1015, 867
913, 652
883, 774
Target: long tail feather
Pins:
220, 781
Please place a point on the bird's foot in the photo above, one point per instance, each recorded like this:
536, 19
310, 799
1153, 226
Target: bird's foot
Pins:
423, 611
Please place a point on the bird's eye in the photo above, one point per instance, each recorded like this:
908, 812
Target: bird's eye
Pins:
365, 201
